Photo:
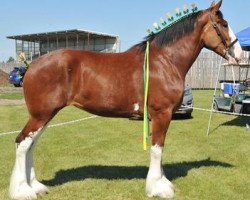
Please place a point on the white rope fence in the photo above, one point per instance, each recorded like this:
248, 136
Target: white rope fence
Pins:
217, 111
54, 125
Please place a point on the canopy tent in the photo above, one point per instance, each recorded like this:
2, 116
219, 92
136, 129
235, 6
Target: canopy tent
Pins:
244, 39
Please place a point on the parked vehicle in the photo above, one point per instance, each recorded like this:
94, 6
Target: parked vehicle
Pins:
234, 97
16, 76
186, 107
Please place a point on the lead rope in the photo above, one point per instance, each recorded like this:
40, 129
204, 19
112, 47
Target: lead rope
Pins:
146, 80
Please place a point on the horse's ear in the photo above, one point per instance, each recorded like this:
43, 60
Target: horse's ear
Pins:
212, 4
215, 7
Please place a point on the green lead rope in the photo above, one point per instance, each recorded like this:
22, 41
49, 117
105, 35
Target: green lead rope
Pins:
146, 79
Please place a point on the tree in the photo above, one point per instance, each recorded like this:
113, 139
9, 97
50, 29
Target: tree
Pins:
11, 59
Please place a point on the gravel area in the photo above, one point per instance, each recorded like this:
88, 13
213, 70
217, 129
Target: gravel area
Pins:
4, 102
11, 90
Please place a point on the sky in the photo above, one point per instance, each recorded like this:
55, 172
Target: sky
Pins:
128, 19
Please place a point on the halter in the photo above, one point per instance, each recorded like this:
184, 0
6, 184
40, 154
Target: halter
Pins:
215, 25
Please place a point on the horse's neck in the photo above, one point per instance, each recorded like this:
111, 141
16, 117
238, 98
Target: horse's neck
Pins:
184, 51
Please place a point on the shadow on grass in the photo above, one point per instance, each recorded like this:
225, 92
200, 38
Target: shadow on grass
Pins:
173, 171
238, 121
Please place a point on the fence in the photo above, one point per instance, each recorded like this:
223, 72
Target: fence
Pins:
203, 73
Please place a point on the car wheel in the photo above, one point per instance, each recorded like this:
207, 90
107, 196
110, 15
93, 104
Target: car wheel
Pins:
215, 106
17, 85
21, 83
188, 115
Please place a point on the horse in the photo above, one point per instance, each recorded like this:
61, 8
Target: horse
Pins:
111, 85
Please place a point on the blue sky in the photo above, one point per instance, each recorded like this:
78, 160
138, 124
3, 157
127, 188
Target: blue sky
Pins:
127, 18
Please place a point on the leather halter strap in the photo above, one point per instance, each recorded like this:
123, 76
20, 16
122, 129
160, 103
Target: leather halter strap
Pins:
215, 25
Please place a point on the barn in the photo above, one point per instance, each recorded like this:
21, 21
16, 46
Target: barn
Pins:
37, 44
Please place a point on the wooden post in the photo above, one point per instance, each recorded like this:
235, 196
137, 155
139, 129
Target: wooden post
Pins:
77, 41
66, 41
16, 50
88, 41
56, 41
47, 44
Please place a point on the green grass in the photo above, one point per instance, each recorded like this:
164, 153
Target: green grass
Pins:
103, 158
11, 96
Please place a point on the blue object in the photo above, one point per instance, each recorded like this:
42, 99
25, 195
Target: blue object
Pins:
229, 88
16, 76
244, 37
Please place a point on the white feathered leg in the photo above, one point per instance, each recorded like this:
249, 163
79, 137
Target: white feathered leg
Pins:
19, 188
157, 184
38, 187
23, 184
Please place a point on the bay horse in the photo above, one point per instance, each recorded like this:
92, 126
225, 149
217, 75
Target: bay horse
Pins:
111, 84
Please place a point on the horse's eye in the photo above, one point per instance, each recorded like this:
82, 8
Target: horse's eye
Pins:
225, 25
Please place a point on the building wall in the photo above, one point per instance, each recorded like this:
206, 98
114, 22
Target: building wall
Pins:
33, 50
102, 44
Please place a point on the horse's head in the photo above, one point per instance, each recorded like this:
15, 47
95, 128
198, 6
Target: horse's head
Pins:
219, 37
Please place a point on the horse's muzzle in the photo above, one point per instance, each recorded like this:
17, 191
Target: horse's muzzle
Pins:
232, 60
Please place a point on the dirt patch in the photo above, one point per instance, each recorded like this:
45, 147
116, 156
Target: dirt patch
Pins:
11, 89
4, 102
4, 78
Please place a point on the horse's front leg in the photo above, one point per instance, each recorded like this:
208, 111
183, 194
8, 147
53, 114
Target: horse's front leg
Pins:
157, 184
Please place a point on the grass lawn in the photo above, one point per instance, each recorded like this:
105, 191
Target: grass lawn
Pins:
15, 96
11, 93
103, 158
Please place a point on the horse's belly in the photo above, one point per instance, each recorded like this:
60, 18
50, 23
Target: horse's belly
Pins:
110, 107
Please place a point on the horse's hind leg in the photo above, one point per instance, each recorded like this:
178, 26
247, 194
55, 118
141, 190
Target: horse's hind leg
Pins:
38, 187
23, 183
157, 184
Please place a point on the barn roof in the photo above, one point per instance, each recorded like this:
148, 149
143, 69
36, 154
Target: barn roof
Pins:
61, 34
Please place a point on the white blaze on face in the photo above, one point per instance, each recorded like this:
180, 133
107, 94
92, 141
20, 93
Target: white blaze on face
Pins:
235, 51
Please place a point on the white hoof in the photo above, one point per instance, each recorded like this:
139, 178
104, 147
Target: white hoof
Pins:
39, 188
160, 188
24, 192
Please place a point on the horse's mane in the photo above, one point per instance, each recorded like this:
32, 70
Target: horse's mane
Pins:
170, 33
